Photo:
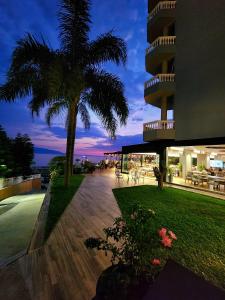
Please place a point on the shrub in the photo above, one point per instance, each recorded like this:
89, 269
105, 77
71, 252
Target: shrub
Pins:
135, 242
88, 167
77, 170
54, 174
57, 163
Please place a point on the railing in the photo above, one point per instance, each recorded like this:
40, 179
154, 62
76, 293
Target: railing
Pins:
16, 180
159, 78
156, 125
161, 5
161, 41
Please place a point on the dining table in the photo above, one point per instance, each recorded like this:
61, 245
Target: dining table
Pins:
217, 179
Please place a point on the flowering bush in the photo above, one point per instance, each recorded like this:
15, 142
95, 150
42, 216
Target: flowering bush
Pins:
135, 242
54, 174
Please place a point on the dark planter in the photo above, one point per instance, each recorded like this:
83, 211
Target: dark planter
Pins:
170, 178
119, 282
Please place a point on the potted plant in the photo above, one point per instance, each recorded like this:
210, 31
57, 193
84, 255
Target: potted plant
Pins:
170, 174
201, 167
135, 246
180, 168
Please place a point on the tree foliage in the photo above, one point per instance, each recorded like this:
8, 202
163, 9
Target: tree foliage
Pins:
16, 154
70, 79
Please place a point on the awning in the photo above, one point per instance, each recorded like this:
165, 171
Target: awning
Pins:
157, 146
113, 153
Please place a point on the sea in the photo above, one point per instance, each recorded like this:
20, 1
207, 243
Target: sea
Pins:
42, 160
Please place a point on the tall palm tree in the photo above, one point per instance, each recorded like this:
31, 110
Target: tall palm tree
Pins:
70, 78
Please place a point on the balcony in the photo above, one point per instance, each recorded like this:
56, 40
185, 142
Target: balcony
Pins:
163, 48
161, 85
162, 15
159, 130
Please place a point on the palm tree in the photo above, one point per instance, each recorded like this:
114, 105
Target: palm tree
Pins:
70, 78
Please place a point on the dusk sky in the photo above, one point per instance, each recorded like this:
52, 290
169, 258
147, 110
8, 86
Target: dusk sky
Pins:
128, 19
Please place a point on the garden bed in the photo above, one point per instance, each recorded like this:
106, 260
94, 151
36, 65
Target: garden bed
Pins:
60, 198
197, 220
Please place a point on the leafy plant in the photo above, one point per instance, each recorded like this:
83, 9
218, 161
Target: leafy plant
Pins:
129, 242
88, 167
201, 167
58, 163
54, 174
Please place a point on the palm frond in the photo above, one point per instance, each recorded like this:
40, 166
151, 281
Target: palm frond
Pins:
105, 96
19, 84
103, 111
84, 114
108, 47
30, 65
30, 51
55, 109
109, 90
74, 25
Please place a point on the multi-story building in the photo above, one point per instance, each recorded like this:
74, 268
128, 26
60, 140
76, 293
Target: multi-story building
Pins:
160, 63
185, 60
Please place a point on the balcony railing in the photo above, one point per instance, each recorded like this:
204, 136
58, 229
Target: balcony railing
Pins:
160, 78
157, 125
160, 6
161, 41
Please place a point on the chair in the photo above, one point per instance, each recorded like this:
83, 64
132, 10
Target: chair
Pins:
142, 176
196, 179
189, 176
119, 176
214, 184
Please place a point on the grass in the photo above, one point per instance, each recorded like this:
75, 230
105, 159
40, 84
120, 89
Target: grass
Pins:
60, 198
197, 220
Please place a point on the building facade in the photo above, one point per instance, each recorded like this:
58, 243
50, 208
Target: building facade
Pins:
185, 62
185, 59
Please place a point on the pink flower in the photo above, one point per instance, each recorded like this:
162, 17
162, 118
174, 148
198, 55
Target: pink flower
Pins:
121, 224
166, 241
172, 235
155, 262
162, 232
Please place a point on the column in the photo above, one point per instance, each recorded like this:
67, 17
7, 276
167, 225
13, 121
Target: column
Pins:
162, 160
164, 109
186, 160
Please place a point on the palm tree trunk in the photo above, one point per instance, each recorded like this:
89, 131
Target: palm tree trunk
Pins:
74, 125
70, 141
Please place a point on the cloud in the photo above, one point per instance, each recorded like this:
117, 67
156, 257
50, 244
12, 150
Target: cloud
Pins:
128, 19
129, 36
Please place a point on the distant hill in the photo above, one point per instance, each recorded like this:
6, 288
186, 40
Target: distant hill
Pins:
47, 151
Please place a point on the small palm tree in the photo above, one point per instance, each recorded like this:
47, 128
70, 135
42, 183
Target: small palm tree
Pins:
70, 78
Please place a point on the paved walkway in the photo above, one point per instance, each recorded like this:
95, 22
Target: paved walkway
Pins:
64, 268
17, 218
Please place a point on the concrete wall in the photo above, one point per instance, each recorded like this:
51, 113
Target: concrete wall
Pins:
200, 69
20, 188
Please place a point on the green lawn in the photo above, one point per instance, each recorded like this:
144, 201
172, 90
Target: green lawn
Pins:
60, 198
197, 220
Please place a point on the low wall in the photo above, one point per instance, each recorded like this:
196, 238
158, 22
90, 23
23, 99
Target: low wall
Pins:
38, 236
20, 188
